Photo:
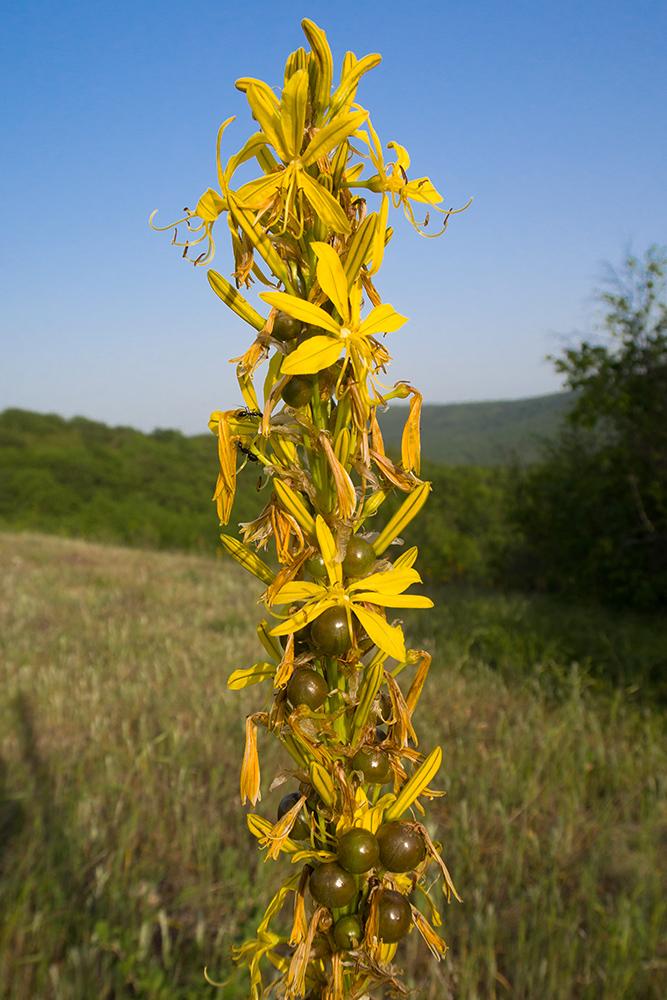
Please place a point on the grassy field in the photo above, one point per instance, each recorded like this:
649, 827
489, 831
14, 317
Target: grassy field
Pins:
125, 861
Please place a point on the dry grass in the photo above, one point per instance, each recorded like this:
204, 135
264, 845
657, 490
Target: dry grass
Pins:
125, 863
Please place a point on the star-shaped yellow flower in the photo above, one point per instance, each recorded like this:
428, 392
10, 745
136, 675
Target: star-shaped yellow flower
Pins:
383, 589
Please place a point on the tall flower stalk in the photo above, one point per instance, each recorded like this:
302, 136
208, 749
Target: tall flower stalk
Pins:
349, 824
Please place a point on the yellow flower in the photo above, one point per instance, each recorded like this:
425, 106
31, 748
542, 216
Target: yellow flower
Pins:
349, 334
392, 179
383, 589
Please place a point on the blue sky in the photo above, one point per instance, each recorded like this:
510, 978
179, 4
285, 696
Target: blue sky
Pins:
552, 115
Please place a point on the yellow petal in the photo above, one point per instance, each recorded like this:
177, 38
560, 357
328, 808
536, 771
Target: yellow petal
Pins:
293, 111
331, 277
247, 558
229, 295
329, 550
321, 781
360, 247
368, 689
253, 675
349, 82
422, 190
405, 513
259, 193
265, 107
395, 600
302, 591
314, 355
305, 615
382, 319
415, 786
379, 238
331, 135
210, 206
386, 637
301, 309
392, 581
294, 505
323, 62
407, 559
324, 204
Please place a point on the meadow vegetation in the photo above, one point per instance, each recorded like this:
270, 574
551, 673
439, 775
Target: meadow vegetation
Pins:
125, 861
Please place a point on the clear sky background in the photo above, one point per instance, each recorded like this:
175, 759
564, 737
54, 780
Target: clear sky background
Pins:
553, 115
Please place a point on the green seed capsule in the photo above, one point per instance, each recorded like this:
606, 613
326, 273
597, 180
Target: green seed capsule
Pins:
285, 327
373, 764
298, 391
307, 687
402, 848
330, 885
348, 932
358, 851
359, 557
394, 916
331, 633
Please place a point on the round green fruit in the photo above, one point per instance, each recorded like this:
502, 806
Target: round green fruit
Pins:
316, 566
394, 916
301, 828
373, 764
358, 851
285, 327
348, 933
307, 687
402, 847
330, 885
309, 331
359, 557
330, 632
298, 391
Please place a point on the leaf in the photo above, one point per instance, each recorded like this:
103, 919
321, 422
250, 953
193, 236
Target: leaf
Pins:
324, 204
409, 509
301, 309
234, 300
382, 319
415, 786
247, 558
293, 111
253, 675
331, 277
313, 356
386, 637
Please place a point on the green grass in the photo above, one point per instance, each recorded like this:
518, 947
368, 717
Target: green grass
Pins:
125, 861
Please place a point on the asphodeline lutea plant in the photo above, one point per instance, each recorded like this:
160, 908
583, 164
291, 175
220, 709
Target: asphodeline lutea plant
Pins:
358, 855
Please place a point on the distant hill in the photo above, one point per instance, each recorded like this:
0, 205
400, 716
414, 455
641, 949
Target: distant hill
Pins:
490, 433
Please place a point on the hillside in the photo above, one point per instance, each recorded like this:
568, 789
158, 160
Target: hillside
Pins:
488, 433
